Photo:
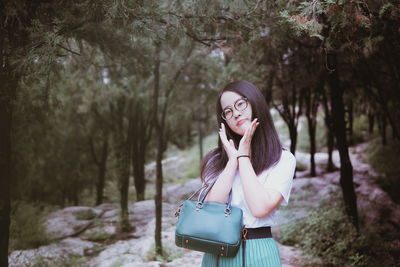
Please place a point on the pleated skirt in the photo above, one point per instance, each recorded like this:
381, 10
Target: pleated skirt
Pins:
262, 252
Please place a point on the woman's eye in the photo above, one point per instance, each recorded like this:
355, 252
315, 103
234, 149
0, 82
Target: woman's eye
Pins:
240, 103
227, 113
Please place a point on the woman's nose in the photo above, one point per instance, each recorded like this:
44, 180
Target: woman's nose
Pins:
236, 113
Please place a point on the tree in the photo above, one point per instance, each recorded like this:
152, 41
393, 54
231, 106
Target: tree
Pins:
33, 32
160, 113
140, 138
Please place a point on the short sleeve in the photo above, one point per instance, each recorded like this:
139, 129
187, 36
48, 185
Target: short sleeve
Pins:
280, 176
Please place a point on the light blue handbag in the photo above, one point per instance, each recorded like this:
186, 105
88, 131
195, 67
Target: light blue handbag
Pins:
209, 226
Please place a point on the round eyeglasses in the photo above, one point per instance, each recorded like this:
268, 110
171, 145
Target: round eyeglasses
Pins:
240, 105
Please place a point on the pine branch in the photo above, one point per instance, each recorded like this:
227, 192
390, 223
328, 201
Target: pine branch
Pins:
69, 50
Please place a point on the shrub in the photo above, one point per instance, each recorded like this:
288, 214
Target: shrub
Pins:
169, 254
87, 214
328, 238
99, 236
301, 166
27, 228
385, 160
70, 260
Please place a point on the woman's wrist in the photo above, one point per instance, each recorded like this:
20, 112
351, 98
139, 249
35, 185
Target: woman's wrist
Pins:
243, 156
232, 161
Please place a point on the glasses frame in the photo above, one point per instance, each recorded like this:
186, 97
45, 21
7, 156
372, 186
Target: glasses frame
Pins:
234, 106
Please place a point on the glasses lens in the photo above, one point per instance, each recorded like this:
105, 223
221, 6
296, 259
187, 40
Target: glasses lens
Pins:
241, 104
227, 114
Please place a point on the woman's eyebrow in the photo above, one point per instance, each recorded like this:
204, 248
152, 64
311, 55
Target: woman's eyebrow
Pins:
228, 106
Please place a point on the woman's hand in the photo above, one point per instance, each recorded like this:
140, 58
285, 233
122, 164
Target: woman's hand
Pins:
229, 146
245, 142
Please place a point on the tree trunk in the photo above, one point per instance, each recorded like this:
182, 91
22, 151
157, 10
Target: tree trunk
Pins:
139, 175
311, 100
122, 148
392, 123
371, 122
346, 168
293, 137
140, 137
199, 122
382, 128
122, 158
350, 121
159, 175
75, 193
101, 176
8, 87
330, 167
311, 133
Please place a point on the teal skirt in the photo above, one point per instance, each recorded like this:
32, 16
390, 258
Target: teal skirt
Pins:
262, 252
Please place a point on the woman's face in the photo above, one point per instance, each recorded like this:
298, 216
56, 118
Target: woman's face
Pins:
237, 111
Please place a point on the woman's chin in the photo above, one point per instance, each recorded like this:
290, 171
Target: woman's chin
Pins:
242, 129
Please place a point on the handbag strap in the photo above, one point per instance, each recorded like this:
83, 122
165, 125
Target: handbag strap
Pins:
197, 191
203, 195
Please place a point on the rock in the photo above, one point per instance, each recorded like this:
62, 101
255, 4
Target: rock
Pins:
190, 258
98, 230
65, 222
137, 248
171, 167
138, 252
119, 254
140, 213
175, 194
57, 251
290, 256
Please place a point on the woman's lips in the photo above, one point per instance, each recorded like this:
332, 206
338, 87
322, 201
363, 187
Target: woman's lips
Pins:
240, 122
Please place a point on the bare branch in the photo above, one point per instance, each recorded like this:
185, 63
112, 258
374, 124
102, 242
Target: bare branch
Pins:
69, 50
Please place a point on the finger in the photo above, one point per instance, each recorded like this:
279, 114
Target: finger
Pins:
248, 133
245, 136
254, 125
225, 144
223, 131
232, 143
223, 137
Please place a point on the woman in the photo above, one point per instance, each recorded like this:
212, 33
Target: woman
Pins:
250, 161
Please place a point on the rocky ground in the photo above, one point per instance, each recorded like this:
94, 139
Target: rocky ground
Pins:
88, 236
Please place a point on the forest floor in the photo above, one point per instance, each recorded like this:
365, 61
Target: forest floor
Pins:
89, 236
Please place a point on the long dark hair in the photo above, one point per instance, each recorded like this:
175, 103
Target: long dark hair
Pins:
266, 148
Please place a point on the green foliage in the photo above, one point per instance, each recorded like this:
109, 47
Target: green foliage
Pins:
27, 228
360, 130
385, 9
169, 254
87, 214
281, 128
386, 161
327, 237
71, 260
100, 236
303, 139
301, 166
124, 224
188, 166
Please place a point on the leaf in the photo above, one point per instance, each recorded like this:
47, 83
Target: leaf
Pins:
319, 36
385, 9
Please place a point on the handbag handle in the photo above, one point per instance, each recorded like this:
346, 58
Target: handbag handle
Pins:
178, 210
201, 198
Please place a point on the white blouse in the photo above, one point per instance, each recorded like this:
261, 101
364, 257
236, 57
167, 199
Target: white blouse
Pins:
278, 177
